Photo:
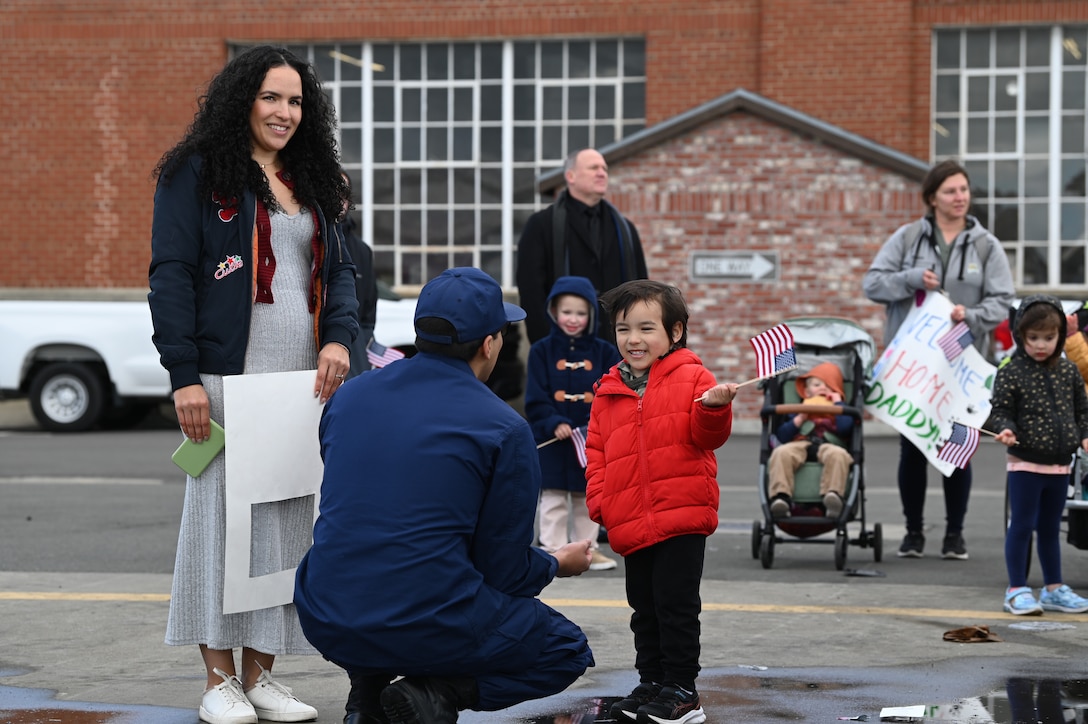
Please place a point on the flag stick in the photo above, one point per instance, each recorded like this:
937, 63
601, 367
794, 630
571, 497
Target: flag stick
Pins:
754, 379
982, 429
549, 442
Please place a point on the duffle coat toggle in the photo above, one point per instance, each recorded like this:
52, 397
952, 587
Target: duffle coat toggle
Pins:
562, 396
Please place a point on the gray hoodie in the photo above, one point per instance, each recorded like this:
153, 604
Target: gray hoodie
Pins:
977, 276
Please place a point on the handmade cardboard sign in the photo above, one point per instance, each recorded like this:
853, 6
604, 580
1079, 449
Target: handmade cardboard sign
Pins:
927, 379
272, 454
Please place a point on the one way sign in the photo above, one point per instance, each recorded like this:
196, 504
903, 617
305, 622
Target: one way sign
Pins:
734, 266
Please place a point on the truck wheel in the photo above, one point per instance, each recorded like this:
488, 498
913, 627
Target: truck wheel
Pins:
66, 397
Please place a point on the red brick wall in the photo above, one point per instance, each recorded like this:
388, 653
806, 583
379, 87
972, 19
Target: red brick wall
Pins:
97, 90
852, 64
744, 184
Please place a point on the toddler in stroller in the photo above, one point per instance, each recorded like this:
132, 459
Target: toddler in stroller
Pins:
816, 436
811, 451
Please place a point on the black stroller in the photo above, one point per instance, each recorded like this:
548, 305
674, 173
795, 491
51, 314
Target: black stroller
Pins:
816, 340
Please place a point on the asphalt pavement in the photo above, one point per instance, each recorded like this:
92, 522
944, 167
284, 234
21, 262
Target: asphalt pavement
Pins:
88, 522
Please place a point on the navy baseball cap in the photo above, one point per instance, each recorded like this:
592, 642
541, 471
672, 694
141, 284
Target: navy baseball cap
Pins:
468, 299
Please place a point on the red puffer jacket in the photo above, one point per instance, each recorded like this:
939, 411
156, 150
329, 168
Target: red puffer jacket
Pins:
652, 473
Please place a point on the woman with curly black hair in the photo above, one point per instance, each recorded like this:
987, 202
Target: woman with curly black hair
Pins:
248, 274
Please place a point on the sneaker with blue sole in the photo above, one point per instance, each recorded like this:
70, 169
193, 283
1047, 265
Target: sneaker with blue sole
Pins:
1063, 599
1021, 602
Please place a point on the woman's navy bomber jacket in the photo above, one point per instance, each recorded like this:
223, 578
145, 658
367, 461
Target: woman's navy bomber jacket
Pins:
202, 279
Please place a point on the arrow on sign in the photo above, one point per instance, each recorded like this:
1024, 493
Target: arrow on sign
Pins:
732, 265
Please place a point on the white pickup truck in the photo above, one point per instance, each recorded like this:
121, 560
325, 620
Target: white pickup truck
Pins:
88, 362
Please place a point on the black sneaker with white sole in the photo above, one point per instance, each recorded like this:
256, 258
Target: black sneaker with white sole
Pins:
953, 547
673, 704
913, 544
626, 709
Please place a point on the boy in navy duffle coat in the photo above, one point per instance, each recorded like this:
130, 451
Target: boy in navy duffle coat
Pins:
562, 369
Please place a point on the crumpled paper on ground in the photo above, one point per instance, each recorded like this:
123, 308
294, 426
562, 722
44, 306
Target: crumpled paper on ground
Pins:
971, 635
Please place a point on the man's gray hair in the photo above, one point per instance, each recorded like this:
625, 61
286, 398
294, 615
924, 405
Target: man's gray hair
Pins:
572, 159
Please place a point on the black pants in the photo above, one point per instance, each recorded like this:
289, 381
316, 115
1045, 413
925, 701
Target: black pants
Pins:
366, 688
663, 589
509, 673
913, 468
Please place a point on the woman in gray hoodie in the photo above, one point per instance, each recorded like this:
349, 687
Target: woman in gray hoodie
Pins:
947, 249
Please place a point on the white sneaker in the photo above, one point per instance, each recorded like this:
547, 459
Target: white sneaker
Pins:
833, 505
601, 562
226, 704
274, 702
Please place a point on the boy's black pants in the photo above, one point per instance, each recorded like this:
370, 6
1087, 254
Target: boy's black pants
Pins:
663, 589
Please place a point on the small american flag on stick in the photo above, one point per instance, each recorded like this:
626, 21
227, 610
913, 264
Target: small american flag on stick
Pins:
955, 340
379, 355
961, 445
578, 437
774, 355
774, 351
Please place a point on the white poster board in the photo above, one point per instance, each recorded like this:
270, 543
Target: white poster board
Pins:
918, 391
272, 453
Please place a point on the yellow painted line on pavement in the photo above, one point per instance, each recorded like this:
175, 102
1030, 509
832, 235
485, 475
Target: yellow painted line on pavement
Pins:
826, 610
53, 596
941, 613
76, 480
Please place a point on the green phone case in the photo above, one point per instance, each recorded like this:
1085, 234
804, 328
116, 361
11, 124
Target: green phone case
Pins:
194, 457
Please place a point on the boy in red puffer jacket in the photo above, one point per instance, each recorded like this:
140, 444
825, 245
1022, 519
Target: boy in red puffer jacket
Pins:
656, 420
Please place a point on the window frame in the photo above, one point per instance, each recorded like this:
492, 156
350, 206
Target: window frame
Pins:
502, 199
1045, 211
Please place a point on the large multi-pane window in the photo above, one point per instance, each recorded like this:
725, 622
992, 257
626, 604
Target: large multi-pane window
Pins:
445, 141
1010, 103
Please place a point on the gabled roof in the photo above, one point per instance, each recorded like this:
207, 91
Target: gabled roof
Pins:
743, 100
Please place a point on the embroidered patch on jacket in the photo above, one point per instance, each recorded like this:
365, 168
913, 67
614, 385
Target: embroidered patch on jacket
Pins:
230, 207
972, 268
231, 264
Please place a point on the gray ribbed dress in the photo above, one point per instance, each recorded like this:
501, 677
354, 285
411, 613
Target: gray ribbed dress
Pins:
280, 340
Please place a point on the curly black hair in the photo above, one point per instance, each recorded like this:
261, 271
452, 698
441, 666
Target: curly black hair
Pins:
221, 136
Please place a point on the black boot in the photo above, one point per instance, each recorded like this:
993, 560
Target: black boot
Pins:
428, 700
364, 703
360, 718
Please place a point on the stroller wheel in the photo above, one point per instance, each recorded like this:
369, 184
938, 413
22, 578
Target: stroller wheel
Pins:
842, 541
766, 550
757, 534
878, 542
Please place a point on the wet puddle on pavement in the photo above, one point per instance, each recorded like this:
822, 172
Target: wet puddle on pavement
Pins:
42, 716
37, 706
744, 697
1023, 701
